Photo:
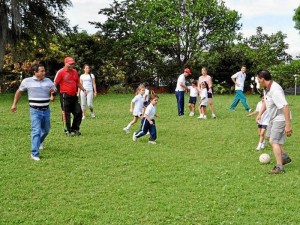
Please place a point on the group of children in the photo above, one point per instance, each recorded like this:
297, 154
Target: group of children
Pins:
194, 93
143, 106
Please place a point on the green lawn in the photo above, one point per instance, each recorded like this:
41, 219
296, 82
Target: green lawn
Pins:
200, 171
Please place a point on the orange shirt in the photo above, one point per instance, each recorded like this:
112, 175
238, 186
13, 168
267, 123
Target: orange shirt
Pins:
67, 80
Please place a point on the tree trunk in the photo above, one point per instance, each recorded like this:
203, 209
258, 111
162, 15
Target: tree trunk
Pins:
3, 31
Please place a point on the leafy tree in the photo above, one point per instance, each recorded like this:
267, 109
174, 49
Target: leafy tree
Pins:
296, 18
167, 36
26, 25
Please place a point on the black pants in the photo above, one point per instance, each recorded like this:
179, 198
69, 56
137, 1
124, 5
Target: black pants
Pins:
69, 104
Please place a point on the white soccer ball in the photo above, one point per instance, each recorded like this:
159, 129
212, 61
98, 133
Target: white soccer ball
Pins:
264, 158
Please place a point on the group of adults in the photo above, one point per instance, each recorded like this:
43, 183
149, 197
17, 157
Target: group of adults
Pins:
41, 90
274, 101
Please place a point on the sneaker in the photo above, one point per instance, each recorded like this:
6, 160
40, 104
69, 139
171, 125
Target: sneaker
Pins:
93, 115
76, 133
192, 114
134, 137
152, 142
83, 117
204, 117
259, 147
276, 170
126, 130
249, 110
148, 133
41, 146
286, 160
70, 134
36, 158
213, 116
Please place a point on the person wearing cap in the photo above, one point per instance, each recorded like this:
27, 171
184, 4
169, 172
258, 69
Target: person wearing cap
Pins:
179, 91
68, 80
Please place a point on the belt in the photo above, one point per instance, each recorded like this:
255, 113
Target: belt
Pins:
44, 108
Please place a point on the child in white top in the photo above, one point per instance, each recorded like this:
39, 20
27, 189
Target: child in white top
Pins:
88, 82
203, 100
193, 97
137, 110
262, 125
148, 122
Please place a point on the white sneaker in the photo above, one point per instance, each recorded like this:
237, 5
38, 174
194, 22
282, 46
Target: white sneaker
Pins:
134, 137
263, 145
249, 110
36, 158
213, 116
192, 114
41, 146
148, 133
126, 130
152, 142
204, 117
83, 117
259, 147
93, 115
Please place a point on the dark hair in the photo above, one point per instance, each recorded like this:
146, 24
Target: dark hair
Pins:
262, 73
194, 82
146, 84
153, 96
206, 84
36, 67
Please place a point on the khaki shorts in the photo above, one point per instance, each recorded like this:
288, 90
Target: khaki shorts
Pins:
275, 132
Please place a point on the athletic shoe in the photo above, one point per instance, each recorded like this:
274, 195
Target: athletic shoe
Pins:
213, 116
152, 142
126, 130
192, 114
83, 117
204, 117
259, 147
93, 115
286, 160
134, 137
276, 170
249, 110
148, 133
41, 146
36, 158
76, 133
70, 134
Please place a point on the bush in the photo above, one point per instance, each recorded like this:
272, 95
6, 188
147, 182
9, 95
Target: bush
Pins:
120, 89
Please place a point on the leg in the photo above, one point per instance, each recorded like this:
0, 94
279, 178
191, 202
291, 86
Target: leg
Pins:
152, 130
36, 119
83, 101
90, 97
235, 101
66, 112
45, 128
144, 128
77, 113
243, 100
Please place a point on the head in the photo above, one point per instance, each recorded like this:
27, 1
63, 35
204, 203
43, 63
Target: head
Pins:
264, 77
153, 99
86, 68
204, 84
141, 89
146, 84
39, 71
69, 62
243, 68
194, 83
187, 72
204, 71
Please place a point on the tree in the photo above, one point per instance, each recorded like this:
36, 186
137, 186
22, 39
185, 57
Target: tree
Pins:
168, 35
28, 24
296, 18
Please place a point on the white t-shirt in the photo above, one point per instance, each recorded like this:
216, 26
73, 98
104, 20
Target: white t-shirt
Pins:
275, 100
181, 79
138, 101
193, 91
203, 94
87, 81
240, 79
150, 111
147, 92
265, 118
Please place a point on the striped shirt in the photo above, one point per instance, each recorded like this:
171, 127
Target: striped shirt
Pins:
38, 91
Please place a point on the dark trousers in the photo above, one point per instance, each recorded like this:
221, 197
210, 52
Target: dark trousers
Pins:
70, 104
180, 102
145, 127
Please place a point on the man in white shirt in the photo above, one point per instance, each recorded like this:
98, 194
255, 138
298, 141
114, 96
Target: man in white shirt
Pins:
280, 120
179, 91
239, 80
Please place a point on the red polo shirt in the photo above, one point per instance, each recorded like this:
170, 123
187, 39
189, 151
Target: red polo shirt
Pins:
67, 80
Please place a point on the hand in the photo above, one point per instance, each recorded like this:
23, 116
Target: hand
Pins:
288, 130
95, 94
13, 108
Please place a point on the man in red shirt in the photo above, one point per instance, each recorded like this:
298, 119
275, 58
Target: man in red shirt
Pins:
68, 80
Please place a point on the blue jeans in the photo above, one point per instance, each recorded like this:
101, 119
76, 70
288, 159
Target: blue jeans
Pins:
145, 127
40, 127
239, 96
180, 102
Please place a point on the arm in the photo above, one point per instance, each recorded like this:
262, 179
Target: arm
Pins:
149, 120
288, 129
82, 88
233, 78
78, 92
95, 88
16, 99
262, 110
253, 113
131, 106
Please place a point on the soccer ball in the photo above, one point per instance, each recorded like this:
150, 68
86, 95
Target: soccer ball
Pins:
264, 158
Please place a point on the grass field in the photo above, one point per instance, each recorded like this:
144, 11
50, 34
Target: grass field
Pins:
199, 172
